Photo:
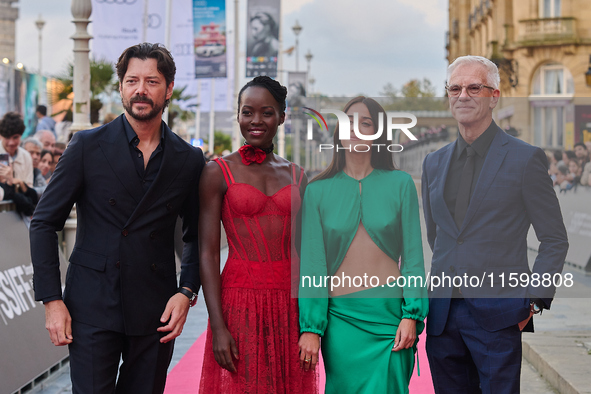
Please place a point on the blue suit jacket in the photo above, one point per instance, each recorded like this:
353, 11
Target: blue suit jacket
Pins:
122, 270
512, 192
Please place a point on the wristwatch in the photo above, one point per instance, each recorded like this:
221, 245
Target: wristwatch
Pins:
190, 295
534, 308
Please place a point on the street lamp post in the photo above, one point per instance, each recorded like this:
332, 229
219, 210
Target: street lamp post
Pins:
81, 10
309, 144
308, 147
297, 29
40, 23
308, 57
41, 97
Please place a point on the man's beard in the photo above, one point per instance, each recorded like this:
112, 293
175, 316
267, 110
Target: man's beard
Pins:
128, 106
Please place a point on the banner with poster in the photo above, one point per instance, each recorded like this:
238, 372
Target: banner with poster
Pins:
156, 28
296, 96
262, 37
296, 88
209, 30
28, 89
116, 25
5, 84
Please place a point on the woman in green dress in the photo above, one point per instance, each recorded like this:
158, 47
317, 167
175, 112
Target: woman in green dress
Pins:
362, 265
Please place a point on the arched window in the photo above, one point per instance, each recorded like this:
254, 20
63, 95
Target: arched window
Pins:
553, 79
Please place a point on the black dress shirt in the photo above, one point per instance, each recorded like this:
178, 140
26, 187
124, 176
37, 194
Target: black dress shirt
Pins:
145, 175
458, 159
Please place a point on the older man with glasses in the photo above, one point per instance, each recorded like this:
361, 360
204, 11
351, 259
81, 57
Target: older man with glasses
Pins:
480, 195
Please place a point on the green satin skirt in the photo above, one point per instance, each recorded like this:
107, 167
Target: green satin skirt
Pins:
357, 344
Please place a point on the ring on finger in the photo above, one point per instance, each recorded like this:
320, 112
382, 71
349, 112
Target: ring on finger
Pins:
307, 360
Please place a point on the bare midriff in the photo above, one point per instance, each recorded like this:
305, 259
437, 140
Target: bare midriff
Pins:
364, 259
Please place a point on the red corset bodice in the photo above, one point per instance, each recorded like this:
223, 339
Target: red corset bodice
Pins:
259, 230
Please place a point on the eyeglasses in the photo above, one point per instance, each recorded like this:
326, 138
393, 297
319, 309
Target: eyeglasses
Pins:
473, 89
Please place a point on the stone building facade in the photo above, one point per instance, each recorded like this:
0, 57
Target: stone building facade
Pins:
542, 48
8, 17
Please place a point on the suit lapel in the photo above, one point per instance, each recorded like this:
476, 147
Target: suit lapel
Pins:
496, 154
440, 210
115, 147
174, 156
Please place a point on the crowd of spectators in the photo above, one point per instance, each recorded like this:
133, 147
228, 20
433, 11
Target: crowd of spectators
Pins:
16, 173
27, 164
570, 168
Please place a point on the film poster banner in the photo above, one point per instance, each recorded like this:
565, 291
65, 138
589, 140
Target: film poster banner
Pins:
4, 89
116, 25
209, 30
29, 91
296, 89
262, 37
296, 96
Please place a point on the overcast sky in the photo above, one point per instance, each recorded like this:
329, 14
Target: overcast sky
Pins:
358, 45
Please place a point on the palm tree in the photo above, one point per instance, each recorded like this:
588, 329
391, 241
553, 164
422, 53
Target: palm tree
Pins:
102, 80
175, 111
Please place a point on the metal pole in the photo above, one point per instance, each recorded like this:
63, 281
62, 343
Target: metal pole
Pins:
281, 129
211, 141
198, 111
81, 11
40, 23
308, 147
146, 21
297, 50
236, 135
12, 105
167, 43
296, 138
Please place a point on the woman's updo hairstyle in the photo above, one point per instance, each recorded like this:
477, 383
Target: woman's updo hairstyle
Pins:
278, 91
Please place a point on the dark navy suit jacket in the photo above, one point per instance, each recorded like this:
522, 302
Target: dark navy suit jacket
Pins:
122, 270
513, 192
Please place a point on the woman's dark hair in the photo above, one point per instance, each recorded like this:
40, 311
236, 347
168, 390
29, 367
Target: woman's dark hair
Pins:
45, 152
144, 51
277, 90
267, 20
381, 159
557, 155
11, 124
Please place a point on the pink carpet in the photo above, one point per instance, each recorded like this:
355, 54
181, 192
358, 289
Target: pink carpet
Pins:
184, 377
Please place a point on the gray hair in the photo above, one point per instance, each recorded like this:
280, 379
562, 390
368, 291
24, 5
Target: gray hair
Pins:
40, 133
492, 72
32, 140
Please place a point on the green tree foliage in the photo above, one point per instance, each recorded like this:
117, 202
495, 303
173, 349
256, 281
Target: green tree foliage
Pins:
174, 109
102, 80
415, 95
221, 142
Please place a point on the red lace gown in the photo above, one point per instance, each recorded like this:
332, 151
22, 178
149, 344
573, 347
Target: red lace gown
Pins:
258, 305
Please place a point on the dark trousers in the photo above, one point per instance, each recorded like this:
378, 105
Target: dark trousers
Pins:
94, 361
467, 359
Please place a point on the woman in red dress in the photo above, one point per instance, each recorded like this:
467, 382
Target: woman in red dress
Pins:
252, 336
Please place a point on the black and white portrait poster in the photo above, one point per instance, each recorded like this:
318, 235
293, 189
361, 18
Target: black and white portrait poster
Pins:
262, 37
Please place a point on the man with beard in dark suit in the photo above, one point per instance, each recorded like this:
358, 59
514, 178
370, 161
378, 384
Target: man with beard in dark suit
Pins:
130, 180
